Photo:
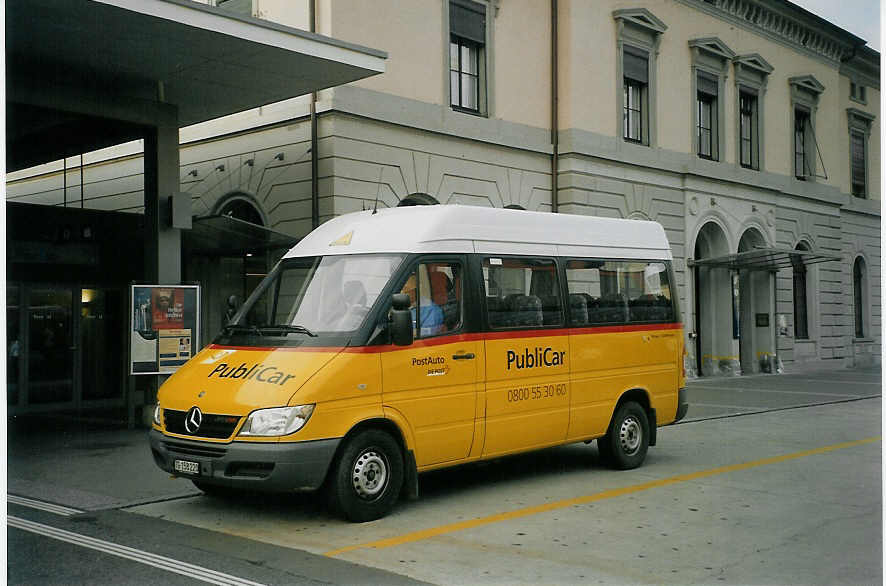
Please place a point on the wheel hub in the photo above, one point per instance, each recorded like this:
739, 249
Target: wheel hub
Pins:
370, 474
630, 434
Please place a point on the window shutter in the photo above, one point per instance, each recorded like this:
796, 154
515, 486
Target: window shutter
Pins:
707, 84
468, 20
636, 64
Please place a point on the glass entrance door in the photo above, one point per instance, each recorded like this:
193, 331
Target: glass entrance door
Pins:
51, 347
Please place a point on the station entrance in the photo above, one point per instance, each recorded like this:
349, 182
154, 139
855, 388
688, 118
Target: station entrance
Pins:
735, 319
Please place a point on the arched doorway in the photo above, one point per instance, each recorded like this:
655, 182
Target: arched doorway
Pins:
755, 317
715, 337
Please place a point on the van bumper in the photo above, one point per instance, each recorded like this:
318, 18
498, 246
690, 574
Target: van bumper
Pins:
274, 467
682, 405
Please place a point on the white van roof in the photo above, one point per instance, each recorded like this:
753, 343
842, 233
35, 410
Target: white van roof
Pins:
467, 229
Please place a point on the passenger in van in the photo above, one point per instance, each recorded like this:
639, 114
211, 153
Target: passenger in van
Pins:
430, 314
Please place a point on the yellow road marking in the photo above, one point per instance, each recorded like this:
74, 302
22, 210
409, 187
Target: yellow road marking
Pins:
606, 494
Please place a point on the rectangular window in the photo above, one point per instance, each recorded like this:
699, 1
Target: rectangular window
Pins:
467, 40
857, 152
617, 292
706, 117
633, 110
802, 168
522, 292
635, 64
749, 140
434, 290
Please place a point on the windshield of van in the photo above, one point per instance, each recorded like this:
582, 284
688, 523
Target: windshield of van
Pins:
311, 296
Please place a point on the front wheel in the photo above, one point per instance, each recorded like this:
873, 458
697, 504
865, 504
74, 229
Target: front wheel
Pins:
367, 477
625, 444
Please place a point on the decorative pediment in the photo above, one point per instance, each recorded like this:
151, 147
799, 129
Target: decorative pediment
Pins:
755, 62
808, 83
859, 118
642, 18
713, 46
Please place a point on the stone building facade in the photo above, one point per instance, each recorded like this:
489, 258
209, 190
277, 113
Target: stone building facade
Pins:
748, 128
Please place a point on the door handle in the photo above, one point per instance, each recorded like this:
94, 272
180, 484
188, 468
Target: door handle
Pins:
468, 356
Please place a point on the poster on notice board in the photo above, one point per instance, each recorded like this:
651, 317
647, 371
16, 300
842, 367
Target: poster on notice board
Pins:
164, 326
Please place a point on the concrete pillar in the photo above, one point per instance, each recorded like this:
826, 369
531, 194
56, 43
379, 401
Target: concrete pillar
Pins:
163, 243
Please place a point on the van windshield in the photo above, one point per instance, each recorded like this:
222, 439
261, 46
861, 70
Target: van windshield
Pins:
308, 297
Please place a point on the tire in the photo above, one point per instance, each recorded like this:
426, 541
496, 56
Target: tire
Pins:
625, 444
367, 477
214, 490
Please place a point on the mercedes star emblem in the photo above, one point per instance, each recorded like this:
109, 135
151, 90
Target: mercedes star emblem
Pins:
193, 419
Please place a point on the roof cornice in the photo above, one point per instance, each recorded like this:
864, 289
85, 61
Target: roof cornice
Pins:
787, 24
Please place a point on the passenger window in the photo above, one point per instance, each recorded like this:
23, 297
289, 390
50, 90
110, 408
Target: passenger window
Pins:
617, 292
522, 292
435, 292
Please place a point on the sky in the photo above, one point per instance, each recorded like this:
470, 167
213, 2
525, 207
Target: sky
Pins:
859, 17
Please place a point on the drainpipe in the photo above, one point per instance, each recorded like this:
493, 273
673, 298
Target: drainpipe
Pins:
555, 130
315, 182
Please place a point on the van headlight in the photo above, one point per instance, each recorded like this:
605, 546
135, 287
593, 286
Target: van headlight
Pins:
158, 415
276, 421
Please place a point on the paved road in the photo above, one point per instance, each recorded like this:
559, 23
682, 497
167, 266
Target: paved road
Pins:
734, 495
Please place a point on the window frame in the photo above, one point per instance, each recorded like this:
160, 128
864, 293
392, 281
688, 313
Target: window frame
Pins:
860, 297
669, 271
751, 79
704, 99
800, 292
559, 275
638, 32
642, 93
802, 136
860, 123
412, 265
484, 61
751, 114
710, 63
805, 94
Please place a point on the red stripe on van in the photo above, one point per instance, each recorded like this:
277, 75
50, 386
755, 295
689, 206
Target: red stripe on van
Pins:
455, 338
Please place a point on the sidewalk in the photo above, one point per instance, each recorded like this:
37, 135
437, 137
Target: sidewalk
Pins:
84, 464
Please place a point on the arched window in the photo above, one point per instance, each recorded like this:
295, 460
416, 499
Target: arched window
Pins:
514, 206
418, 199
240, 207
801, 318
859, 283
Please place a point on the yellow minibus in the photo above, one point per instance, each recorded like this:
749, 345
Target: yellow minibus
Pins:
388, 344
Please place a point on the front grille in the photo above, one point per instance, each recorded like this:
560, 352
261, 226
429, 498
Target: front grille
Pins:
205, 451
213, 426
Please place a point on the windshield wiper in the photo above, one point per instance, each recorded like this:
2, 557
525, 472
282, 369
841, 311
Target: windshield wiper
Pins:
288, 328
231, 328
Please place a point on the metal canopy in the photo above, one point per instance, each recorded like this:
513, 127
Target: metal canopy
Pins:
764, 259
87, 74
227, 236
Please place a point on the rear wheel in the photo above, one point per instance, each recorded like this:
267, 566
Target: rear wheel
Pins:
367, 477
625, 444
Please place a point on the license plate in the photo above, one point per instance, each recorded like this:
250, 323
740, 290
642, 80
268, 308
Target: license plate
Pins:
186, 467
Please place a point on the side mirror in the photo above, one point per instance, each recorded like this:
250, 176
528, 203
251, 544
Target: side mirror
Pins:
401, 320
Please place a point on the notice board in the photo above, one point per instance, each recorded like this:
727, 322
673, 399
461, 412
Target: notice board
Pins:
164, 327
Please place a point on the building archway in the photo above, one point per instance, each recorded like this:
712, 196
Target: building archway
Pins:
755, 310
240, 206
418, 199
715, 344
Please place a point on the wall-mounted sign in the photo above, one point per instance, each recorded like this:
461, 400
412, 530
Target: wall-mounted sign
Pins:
163, 327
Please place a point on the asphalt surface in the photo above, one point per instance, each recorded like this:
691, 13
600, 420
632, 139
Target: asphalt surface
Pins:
769, 480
